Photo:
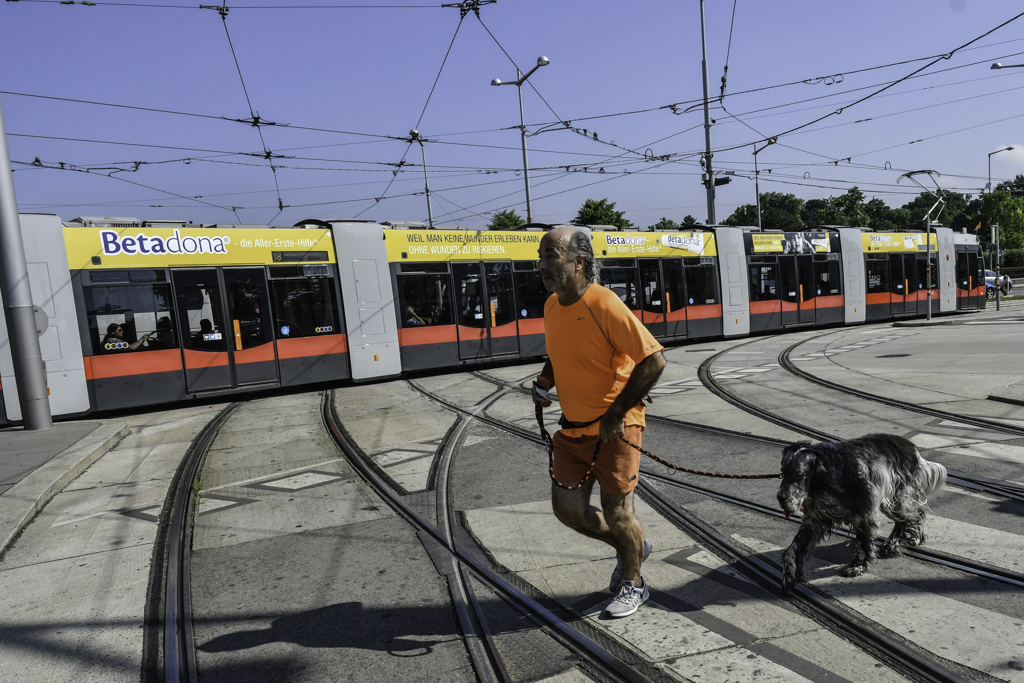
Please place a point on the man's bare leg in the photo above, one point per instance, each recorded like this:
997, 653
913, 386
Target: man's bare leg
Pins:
614, 524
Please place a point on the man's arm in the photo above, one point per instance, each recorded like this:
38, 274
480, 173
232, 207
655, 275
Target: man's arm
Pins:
545, 380
643, 378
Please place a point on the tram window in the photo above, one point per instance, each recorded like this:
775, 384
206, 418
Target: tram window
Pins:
304, 307
134, 310
424, 299
502, 303
922, 273
531, 294
701, 284
524, 265
827, 277
762, 283
878, 276
622, 281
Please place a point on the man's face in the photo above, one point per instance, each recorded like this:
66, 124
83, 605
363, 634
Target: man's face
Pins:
553, 265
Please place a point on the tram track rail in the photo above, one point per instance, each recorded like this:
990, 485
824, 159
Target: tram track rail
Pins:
466, 565
965, 565
966, 480
763, 572
787, 363
179, 655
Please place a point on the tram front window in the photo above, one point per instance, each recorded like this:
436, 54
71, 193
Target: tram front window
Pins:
424, 294
130, 318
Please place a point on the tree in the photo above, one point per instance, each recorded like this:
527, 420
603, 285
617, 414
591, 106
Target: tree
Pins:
689, 222
883, 218
1015, 187
745, 214
600, 212
664, 225
505, 220
812, 207
952, 214
846, 209
779, 211
1006, 211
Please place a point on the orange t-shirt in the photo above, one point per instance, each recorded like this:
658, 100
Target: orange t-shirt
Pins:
593, 346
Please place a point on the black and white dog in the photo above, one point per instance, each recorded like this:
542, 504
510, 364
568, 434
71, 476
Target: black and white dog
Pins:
849, 482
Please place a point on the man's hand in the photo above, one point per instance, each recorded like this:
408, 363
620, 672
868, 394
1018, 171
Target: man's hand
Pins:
541, 385
612, 427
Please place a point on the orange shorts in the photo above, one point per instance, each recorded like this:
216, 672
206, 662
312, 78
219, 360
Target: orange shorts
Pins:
618, 464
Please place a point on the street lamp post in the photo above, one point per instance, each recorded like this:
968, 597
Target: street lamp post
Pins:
415, 136
520, 79
988, 188
757, 188
997, 65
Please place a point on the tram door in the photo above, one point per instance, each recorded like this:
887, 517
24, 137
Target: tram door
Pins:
486, 312
903, 282
663, 297
652, 297
226, 313
796, 275
966, 274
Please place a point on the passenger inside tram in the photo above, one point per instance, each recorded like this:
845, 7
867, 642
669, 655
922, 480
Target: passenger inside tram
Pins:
114, 339
412, 319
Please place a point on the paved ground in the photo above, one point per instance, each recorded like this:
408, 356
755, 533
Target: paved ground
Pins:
301, 574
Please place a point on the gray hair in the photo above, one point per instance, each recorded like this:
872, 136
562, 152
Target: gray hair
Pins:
580, 245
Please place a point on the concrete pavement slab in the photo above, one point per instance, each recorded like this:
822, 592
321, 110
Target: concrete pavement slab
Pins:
365, 604
20, 503
397, 427
978, 638
26, 450
73, 585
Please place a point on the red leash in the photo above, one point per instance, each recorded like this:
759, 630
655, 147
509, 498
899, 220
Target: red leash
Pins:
549, 446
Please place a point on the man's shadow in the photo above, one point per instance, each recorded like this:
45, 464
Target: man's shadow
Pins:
348, 625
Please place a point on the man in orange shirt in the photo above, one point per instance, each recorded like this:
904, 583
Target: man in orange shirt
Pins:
605, 361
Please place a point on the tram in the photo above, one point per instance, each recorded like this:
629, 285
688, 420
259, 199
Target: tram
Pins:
138, 313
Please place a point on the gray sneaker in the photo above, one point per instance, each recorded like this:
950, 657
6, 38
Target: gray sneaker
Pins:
620, 569
628, 600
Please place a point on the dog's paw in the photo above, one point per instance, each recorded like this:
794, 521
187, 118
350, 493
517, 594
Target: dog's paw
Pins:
788, 581
890, 548
852, 570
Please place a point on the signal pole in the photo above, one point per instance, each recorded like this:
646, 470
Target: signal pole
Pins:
709, 176
29, 372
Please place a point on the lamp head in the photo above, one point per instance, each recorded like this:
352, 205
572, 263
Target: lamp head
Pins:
543, 61
997, 65
414, 133
496, 81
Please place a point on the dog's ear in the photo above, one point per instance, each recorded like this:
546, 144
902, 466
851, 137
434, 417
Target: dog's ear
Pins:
792, 450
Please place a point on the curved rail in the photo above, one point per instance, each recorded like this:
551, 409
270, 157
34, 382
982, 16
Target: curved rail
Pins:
974, 482
787, 363
577, 641
179, 646
765, 574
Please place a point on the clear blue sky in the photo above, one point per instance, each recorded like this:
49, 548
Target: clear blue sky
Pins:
370, 71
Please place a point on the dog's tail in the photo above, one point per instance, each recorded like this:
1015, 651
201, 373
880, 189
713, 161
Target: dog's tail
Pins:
933, 475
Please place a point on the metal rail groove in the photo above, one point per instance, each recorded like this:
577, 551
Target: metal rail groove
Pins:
179, 646
483, 652
761, 571
787, 363
854, 627
521, 601
965, 480
925, 554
